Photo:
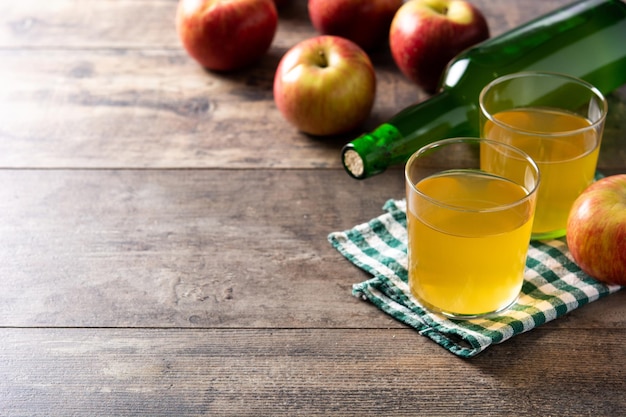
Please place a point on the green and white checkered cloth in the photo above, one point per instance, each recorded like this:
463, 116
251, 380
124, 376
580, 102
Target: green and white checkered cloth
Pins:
553, 285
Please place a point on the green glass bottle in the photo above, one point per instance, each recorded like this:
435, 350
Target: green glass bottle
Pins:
586, 39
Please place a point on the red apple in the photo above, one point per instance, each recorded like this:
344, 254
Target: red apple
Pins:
226, 35
426, 34
596, 230
325, 85
365, 22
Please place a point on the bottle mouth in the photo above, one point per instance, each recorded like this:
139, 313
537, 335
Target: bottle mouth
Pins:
353, 163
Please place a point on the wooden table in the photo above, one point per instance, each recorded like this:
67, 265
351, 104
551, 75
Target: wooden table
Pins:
163, 242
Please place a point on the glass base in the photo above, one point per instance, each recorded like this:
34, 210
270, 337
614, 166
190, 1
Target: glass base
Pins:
548, 235
457, 316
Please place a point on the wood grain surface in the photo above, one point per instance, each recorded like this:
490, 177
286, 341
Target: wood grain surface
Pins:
163, 242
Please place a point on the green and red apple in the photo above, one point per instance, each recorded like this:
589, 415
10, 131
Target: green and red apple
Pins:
325, 85
426, 34
596, 230
226, 35
364, 22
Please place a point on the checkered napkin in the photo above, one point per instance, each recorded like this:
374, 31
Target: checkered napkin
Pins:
553, 285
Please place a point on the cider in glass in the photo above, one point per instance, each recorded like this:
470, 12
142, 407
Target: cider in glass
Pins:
469, 227
558, 121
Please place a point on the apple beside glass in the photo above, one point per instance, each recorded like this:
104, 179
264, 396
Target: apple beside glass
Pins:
596, 230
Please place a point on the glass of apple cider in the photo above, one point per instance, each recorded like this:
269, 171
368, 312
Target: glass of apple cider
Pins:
557, 120
469, 220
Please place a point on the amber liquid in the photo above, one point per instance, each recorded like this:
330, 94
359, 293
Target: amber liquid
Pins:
469, 259
567, 161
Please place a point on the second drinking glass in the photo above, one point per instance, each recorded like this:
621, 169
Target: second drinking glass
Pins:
557, 120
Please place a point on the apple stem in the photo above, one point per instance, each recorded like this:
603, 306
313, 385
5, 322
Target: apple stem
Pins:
323, 62
441, 9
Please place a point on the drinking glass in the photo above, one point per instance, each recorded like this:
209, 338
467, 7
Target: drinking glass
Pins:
557, 120
469, 219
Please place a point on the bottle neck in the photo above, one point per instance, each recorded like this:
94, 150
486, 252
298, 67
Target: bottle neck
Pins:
442, 115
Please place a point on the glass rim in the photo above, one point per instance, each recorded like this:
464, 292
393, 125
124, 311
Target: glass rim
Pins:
593, 89
444, 142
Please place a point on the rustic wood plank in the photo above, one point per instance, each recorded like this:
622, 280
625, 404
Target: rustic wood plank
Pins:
156, 109
208, 248
305, 372
181, 248
111, 109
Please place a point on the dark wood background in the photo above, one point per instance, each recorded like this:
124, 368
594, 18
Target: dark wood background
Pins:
163, 241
